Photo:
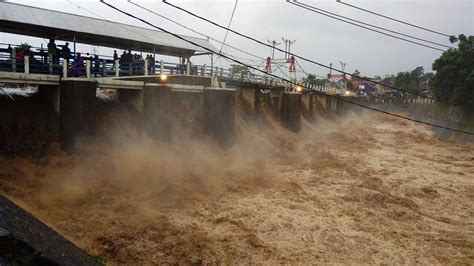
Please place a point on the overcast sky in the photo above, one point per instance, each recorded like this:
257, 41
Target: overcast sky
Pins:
317, 37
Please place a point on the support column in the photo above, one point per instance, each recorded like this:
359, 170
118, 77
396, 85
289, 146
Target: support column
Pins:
290, 113
131, 97
77, 102
340, 106
258, 103
276, 96
219, 114
50, 94
158, 110
252, 96
329, 104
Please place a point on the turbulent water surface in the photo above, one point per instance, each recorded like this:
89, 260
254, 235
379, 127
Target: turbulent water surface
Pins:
362, 189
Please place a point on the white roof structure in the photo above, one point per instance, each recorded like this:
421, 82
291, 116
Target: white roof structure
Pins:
44, 23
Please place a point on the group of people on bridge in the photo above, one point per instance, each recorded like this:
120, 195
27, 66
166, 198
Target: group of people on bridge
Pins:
48, 61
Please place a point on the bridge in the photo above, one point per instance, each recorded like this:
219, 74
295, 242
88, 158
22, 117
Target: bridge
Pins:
69, 81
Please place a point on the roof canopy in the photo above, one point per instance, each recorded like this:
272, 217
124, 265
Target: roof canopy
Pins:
44, 23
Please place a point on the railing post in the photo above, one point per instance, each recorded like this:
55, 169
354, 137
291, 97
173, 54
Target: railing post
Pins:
88, 68
204, 72
188, 68
162, 67
65, 68
50, 60
13, 59
117, 69
27, 64
146, 67
104, 67
222, 71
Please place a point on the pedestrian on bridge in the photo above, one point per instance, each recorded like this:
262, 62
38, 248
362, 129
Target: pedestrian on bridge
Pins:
78, 69
66, 52
53, 51
115, 57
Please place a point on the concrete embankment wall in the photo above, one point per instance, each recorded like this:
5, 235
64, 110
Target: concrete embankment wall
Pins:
439, 114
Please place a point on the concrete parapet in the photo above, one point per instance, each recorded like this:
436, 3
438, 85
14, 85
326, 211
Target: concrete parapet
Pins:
77, 105
175, 79
219, 114
290, 112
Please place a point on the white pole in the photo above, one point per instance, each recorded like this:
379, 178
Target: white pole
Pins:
65, 68
146, 67
88, 68
188, 68
204, 72
162, 67
27, 64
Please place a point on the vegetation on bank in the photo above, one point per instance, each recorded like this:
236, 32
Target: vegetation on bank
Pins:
454, 79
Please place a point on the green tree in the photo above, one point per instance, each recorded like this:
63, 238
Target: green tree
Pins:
356, 74
410, 80
454, 79
239, 71
313, 80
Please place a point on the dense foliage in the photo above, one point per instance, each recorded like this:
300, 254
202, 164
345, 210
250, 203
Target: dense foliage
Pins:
454, 79
410, 80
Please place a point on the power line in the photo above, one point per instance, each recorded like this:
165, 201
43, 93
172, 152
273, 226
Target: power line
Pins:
394, 19
228, 26
374, 26
190, 29
297, 56
261, 59
289, 81
364, 27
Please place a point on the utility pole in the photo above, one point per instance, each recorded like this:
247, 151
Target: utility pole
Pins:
273, 43
343, 65
288, 44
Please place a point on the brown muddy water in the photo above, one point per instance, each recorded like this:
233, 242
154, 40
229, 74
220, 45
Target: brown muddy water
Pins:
364, 189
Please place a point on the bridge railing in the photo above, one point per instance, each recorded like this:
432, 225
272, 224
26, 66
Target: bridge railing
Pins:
39, 61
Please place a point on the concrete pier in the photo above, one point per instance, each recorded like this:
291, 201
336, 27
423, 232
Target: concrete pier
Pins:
307, 105
77, 107
276, 96
158, 110
219, 114
290, 112
50, 93
252, 97
131, 97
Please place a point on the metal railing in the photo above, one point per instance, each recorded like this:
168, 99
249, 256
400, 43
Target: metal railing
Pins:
41, 62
